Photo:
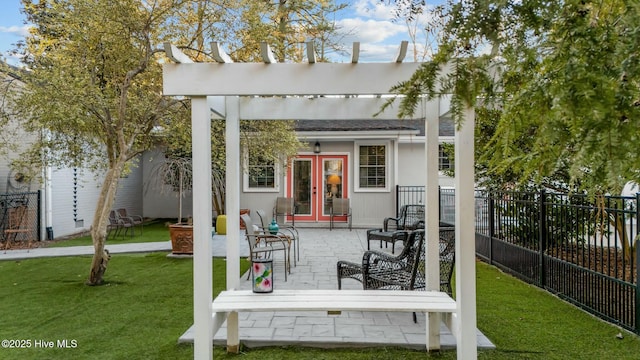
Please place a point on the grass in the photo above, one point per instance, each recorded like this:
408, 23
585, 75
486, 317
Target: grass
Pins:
156, 230
147, 304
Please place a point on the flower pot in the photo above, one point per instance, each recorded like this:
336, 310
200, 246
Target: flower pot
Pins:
181, 239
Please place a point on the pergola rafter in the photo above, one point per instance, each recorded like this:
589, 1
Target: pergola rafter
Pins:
327, 91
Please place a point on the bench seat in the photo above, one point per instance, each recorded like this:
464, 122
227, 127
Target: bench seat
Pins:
334, 300
331, 301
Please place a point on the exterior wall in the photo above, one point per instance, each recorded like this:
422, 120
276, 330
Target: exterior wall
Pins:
161, 201
130, 190
368, 208
75, 195
411, 163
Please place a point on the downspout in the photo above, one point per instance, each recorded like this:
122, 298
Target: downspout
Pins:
47, 200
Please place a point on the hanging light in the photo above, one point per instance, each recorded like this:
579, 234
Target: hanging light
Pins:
316, 148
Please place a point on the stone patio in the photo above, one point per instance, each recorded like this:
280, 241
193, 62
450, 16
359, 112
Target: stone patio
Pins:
320, 249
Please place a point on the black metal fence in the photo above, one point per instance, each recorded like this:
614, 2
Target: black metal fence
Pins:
581, 249
19, 217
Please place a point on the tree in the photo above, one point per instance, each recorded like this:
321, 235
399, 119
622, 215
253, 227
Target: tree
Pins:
556, 83
92, 89
559, 79
92, 93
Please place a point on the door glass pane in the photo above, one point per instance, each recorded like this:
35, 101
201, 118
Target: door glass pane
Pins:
302, 186
332, 182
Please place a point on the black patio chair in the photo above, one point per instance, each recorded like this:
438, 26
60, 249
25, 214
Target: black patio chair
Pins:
409, 217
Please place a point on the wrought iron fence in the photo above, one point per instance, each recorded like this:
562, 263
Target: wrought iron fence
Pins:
581, 249
19, 217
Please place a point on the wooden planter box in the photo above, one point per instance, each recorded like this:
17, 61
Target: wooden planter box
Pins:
181, 238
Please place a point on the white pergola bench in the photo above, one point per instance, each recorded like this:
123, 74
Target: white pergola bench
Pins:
332, 301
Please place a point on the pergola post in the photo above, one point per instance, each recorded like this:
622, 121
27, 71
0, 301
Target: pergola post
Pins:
202, 267
432, 256
232, 132
465, 238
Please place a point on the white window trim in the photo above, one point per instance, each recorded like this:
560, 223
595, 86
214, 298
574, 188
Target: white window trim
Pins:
356, 167
245, 179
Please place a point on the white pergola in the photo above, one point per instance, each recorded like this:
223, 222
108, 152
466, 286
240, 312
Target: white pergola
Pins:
321, 91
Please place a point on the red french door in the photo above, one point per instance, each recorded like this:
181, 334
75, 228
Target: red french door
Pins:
314, 181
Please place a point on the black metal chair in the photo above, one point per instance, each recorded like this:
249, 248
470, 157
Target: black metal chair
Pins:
409, 216
264, 243
284, 229
132, 219
380, 270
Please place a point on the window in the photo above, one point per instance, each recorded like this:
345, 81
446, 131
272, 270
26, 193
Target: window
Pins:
372, 167
443, 158
260, 174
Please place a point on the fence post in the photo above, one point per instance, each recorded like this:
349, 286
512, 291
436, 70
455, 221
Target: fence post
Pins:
542, 234
636, 325
492, 217
397, 199
439, 203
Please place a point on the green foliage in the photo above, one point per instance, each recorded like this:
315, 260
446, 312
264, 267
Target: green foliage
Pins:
555, 84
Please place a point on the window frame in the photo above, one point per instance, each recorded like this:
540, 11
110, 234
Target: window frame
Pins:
245, 177
387, 168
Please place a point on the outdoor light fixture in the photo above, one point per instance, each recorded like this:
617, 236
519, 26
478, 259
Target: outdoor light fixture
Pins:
316, 148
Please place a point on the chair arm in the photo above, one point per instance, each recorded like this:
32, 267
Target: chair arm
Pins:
269, 238
386, 222
348, 268
381, 261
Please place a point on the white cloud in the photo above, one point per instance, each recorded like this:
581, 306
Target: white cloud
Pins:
369, 31
374, 9
16, 30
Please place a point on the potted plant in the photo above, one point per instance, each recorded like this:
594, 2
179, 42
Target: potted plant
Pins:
175, 174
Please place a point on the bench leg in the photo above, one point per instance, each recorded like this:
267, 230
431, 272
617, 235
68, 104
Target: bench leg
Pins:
433, 331
233, 333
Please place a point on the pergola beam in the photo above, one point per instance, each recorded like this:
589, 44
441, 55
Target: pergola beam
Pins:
252, 79
311, 52
267, 54
321, 108
176, 54
355, 53
218, 54
402, 51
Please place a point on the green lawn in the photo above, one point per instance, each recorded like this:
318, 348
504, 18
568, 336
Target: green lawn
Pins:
156, 230
147, 304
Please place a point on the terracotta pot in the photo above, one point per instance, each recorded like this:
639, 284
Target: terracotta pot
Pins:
181, 238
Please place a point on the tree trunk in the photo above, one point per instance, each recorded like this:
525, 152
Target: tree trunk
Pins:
106, 199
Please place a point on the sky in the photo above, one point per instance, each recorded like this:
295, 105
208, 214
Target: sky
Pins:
367, 21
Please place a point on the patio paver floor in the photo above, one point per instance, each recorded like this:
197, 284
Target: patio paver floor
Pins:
320, 249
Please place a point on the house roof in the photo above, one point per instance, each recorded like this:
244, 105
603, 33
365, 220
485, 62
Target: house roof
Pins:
446, 126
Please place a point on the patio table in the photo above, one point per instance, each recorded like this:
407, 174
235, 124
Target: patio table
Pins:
386, 236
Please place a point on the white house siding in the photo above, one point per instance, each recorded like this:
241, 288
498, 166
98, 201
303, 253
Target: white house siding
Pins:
72, 212
75, 195
411, 165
